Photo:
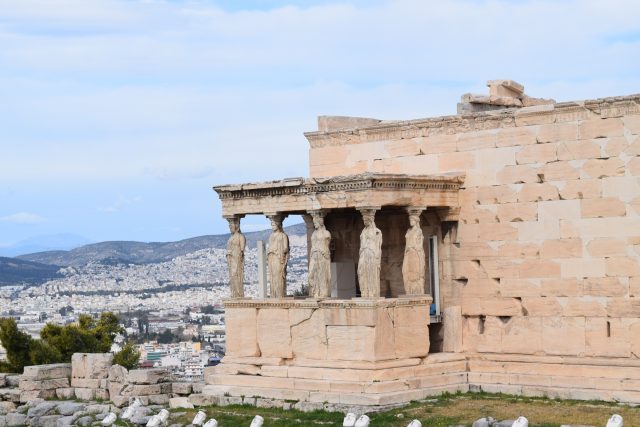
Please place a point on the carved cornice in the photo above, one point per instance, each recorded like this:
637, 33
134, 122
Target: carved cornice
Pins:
495, 119
310, 186
355, 303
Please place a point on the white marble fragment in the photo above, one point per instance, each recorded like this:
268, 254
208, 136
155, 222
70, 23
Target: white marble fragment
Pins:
415, 423
109, 419
211, 423
154, 421
349, 420
520, 422
363, 421
615, 421
199, 418
257, 421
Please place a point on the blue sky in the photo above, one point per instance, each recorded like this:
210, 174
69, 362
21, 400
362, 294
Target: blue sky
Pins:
117, 117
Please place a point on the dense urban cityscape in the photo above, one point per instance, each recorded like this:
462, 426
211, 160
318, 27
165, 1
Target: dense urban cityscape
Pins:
173, 310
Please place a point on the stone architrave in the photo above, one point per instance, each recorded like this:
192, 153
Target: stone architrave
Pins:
370, 256
277, 257
235, 257
413, 263
320, 259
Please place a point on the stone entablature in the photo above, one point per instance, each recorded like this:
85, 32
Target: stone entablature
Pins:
299, 195
499, 119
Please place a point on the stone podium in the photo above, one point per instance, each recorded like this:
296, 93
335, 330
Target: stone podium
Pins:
354, 352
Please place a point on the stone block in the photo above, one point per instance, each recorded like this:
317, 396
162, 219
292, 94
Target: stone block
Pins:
28, 385
539, 153
146, 389
584, 306
181, 388
535, 231
351, 342
600, 128
561, 248
180, 402
65, 393
241, 326
452, 326
605, 287
452, 162
91, 365
601, 168
558, 209
605, 207
623, 266
87, 383
606, 247
438, 144
607, 337
273, 332
47, 372
147, 376
582, 267
541, 306
578, 150
517, 136
517, 212
563, 335
85, 393
158, 399
518, 174
491, 307
496, 195
538, 192
567, 287
581, 189
118, 373
476, 140
498, 231
532, 268
634, 166
199, 399
557, 132
559, 171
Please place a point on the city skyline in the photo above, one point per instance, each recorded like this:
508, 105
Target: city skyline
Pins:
120, 116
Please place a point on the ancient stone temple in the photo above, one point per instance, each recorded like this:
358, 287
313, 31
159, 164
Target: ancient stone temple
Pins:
497, 250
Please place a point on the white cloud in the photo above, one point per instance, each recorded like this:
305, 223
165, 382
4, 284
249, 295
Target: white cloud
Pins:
120, 204
23, 218
186, 90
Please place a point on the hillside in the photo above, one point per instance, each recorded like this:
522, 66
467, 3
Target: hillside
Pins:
144, 253
14, 271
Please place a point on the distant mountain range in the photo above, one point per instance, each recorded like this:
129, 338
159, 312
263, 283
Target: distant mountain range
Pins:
140, 252
13, 271
44, 243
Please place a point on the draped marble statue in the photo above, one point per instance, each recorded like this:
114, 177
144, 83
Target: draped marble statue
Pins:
235, 258
277, 257
320, 259
413, 264
370, 256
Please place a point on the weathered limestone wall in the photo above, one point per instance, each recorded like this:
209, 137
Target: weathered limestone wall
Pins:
547, 257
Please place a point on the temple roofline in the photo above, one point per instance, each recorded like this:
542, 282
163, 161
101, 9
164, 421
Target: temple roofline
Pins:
493, 119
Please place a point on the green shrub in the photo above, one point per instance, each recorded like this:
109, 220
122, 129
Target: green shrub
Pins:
128, 357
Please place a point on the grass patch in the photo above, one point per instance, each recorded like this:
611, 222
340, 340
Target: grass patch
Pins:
440, 411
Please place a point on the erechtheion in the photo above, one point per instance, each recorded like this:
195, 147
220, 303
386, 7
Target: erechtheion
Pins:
497, 250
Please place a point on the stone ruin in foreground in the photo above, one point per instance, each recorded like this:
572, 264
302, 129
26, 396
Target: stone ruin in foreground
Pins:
495, 250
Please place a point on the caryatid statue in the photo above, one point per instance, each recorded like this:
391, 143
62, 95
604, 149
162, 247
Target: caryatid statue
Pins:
277, 257
413, 264
235, 257
370, 256
320, 259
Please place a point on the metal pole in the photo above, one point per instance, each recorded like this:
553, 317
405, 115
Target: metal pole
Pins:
262, 270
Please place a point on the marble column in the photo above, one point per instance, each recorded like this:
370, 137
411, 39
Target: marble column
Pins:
414, 262
370, 255
320, 258
235, 256
277, 257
